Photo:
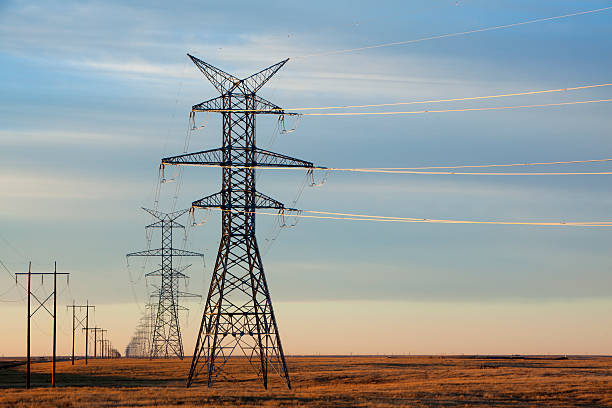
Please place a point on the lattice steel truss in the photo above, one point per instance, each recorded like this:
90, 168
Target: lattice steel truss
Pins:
238, 312
166, 338
140, 343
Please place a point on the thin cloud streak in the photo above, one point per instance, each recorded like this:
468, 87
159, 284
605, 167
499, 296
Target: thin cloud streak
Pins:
81, 139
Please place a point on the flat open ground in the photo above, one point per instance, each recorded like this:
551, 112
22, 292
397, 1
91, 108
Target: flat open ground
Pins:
322, 381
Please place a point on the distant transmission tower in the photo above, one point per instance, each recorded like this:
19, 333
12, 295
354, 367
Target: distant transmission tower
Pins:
140, 343
238, 312
166, 338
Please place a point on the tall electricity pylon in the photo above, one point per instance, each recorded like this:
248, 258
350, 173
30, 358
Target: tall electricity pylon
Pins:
166, 339
238, 312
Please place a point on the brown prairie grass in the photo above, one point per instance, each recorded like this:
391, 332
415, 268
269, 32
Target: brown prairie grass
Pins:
321, 382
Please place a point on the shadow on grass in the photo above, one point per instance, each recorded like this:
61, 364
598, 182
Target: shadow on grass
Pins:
15, 377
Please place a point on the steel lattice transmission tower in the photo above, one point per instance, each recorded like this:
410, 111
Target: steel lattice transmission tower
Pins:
140, 343
238, 312
166, 338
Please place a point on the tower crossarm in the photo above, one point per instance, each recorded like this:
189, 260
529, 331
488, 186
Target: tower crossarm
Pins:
220, 79
188, 294
212, 201
178, 272
259, 79
212, 157
157, 272
165, 252
261, 201
226, 83
165, 224
215, 157
270, 159
260, 105
165, 216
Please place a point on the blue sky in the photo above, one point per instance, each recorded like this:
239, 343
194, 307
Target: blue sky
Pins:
96, 93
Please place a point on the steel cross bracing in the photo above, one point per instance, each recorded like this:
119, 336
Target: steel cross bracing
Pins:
166, 338
238, 316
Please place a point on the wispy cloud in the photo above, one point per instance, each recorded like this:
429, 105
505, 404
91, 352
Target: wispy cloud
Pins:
59, 137
141, 52
38, 195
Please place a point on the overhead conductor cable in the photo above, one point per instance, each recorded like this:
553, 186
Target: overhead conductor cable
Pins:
472, 98
378, 218
436, 37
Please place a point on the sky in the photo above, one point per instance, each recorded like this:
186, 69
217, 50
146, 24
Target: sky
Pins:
96, 93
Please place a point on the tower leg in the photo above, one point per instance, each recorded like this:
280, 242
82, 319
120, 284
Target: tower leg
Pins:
238, 317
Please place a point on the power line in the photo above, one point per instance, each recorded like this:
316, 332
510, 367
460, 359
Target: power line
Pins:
7, 269
418, 170
475, 173
13, 277
10, 289
494, 165
434, 220
275, 110
378, 218
455, 110
436, 37
575, 88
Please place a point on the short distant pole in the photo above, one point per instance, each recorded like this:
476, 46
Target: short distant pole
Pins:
54, 322
86, 330
73, 331
29, 315
79, 321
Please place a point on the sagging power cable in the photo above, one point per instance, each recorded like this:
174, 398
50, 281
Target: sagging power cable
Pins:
437, 37
455, 110
463, 166
476, 173
471, 98
419, 170
377, 218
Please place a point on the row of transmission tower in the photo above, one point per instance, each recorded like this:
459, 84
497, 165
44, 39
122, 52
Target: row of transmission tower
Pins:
140, 343
238, 318
158, 334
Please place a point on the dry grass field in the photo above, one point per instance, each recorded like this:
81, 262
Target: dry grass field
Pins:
322, 382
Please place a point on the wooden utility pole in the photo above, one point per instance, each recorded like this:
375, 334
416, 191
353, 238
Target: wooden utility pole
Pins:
87, 330
42, 304
76, 321
54, 321
95, 330
72, 330
29, 315
102, 331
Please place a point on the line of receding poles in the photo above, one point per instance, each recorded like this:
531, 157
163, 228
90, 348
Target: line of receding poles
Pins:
107, 351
